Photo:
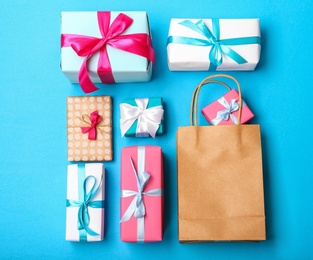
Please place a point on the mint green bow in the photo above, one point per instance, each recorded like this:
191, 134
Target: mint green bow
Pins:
219, 47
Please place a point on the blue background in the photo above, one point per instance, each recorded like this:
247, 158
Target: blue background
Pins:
33, 155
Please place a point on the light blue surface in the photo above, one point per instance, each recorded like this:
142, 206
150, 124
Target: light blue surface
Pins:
33, 159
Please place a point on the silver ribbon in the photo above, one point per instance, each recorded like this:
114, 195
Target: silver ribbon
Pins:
137, 206
227, 112
149, 119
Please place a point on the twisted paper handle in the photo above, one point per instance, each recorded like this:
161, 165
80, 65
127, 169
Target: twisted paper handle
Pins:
195, 96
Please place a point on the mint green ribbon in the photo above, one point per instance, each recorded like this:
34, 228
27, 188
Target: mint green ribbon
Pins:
83, 204
219, 47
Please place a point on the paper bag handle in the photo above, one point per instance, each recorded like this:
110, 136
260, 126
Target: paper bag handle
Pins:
195, 95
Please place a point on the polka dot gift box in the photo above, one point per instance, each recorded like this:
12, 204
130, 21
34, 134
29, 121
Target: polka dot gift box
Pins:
89, 128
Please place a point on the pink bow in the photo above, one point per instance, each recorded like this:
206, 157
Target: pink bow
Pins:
85, 46
95, 119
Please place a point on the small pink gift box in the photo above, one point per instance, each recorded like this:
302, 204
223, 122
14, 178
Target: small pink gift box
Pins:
141, 194
224, 111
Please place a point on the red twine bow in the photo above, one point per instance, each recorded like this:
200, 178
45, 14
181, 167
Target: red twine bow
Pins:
95, 119
86, 46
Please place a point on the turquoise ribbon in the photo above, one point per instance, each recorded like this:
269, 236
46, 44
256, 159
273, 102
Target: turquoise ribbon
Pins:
85, 201
219, 47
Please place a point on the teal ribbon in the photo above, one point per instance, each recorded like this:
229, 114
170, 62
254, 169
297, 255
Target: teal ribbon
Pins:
83, 204
219, 47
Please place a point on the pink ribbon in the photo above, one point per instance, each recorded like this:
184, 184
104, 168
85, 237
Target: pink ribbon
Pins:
95, 119
86, 46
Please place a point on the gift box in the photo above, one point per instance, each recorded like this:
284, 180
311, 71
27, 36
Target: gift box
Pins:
89, 128
141, 117
141, 194
224, 111
213, 44
106, 47
85, 202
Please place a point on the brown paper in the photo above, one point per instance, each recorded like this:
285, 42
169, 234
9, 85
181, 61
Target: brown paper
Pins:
220, 178
80, 148
220, 183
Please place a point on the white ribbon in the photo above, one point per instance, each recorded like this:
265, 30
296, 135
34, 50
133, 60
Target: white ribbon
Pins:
137, 206
149, 119
227, 112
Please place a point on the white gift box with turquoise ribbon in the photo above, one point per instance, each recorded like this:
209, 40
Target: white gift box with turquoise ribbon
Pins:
213, 44
85, 202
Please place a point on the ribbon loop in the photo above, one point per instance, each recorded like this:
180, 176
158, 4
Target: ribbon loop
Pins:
137, 206
149, 119
216, 54
83, 214
86, 46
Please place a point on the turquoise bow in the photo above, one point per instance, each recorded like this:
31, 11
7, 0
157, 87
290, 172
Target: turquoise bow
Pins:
219, 47
83, 214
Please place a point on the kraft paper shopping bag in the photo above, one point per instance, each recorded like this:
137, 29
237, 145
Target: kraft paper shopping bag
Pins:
220, 179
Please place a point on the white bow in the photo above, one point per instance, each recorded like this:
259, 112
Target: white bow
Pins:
149, 119
137, 206
227, 112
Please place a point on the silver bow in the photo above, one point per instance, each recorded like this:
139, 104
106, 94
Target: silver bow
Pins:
227, 112
149, 119
137, 206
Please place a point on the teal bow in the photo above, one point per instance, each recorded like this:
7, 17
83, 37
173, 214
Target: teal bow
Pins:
83, 214
219, 47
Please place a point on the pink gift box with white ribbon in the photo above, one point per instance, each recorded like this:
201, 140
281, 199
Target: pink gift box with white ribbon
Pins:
141, 194
224, 111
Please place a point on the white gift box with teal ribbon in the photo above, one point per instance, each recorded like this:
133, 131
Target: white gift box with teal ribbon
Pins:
213, 44
85, 202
